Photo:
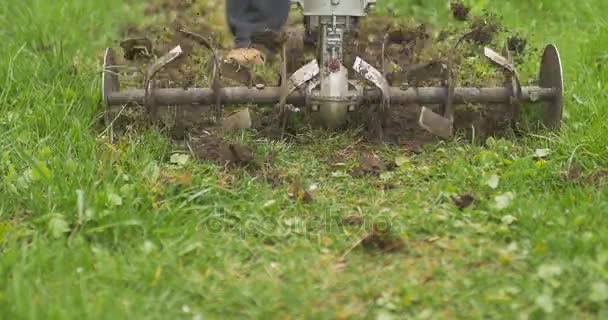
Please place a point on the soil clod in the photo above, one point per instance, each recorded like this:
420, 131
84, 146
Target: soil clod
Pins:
459, 10
369, 165
464, 201
353, 220
382, 240
136, 48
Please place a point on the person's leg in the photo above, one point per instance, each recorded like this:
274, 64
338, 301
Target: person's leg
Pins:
246, 17
249, 17
240, 22
270, 14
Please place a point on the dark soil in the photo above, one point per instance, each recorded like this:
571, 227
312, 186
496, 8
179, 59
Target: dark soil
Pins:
517, 44
483, 30
411, 55
464, 201
371, 165
382, 240
459, 10
215, 149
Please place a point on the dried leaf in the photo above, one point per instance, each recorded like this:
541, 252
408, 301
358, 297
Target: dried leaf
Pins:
548, 271
179, 159
400, 161
508, 220
114, 199
58, 226
504, 200
493, 181
541, 153
545, 303
599, 292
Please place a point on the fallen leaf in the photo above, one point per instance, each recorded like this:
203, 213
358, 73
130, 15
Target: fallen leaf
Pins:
508, 220
179, 159
58, 226
599, 292
114, 199
545, 303
400, 161
493, 181
504, 200
238, 120
548, 271
541, 153
151, 172
269, 203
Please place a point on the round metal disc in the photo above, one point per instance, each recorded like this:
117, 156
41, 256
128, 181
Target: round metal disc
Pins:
551, 76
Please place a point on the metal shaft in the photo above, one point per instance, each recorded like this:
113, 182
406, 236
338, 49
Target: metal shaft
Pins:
270, 95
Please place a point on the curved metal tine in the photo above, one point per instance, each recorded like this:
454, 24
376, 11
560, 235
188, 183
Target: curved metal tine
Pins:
217, 70
157, 67
499, 59
283, 113
376, 77
303, 75
514, 83
379, 80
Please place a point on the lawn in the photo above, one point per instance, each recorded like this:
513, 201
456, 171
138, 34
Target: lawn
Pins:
94, 230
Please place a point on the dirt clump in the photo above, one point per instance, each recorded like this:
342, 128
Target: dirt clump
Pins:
371, 165
464, 201
138, 48
483, 30
459, 10
297, 192
517, 44
382, 240
217, 150
353, 220
575, 174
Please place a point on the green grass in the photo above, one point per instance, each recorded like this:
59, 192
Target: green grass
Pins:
98, 231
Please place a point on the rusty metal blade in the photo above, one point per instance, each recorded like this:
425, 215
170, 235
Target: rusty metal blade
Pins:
435, 123
372, 74
165, 60
303, 75
498, 59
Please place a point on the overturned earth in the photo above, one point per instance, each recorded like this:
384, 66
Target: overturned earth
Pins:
411, 54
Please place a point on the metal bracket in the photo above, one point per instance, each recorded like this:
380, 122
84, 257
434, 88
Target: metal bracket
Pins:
216, 84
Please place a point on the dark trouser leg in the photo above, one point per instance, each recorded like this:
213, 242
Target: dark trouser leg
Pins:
246, 17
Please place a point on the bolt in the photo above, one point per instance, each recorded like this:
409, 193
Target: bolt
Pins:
404, 86
260, 86
315, 107
351, 108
